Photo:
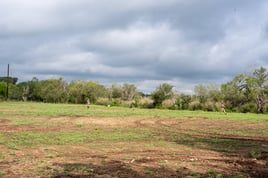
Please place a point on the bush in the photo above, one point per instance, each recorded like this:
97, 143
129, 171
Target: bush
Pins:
212, 106
248, 107
195, 105
116, 102
266, 109
126, 103
169, 104
183, 101
146, 102
103, 101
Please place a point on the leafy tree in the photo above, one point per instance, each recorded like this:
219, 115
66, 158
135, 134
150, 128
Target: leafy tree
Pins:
14, 92
183, 101
246, 89
80, 90
11, 80
116, 91
3, 88
93, 90
54, 90
35, 89
201, 91
129, 91
256, 86
22, 92
163, 92
75, 91
235, 91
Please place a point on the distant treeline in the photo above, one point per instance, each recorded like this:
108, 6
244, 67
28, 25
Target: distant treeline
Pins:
9, 79
244, 93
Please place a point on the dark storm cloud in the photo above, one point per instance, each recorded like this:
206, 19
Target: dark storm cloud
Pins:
183, 42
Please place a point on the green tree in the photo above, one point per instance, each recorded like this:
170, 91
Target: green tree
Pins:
201, 91
54, 90
75, 91
11, 80
3, 88
129, 92
22, 92
183, 101
163, 92
234, 91
256, 86
80, 90
116, 91
93, 90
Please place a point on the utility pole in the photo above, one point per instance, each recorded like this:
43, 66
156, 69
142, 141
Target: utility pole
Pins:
7, 81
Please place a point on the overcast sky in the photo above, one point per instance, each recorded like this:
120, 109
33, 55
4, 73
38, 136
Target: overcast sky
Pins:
144, 42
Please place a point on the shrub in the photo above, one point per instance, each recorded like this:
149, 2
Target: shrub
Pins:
116, 102
146, 102
248, 107
217, 106
103, 101
195, 105
266, 109
126, 103
211, 106
208, 106
169, 104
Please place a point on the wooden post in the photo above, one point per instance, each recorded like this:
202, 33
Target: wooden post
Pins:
7, 81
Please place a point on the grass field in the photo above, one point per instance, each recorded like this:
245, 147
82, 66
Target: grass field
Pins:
64, 140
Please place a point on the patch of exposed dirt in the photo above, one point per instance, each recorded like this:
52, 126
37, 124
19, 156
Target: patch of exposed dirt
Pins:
6, 110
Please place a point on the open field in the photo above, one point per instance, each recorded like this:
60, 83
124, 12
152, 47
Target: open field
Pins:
63, 140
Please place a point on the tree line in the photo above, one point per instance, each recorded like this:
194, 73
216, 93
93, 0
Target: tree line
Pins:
244, 93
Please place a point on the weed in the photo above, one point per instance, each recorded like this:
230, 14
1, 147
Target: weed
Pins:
3, 173
163, 161
44, 170
148, 172
239, 176
79, 125
51, 156
255, 154
213, 174
194, 175
219, 175
49, 149
12, 146
1, 139
12, 153
77, 168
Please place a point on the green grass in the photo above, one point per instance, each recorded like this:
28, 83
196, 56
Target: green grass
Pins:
2, 173
219, 144
17, 121
1, 138
25, 113
35, 139
52, 127
46, 109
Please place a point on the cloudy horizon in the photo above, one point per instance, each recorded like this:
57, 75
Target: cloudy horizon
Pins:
143, 42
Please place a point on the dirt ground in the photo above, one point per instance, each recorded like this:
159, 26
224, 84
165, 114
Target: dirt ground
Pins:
185, 147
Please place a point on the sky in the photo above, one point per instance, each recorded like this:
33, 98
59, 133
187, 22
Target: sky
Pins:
142, 42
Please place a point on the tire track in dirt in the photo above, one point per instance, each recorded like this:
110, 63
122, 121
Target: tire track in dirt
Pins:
213, 135
169, 126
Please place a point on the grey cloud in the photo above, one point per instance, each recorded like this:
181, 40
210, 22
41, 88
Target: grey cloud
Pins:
184, 42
